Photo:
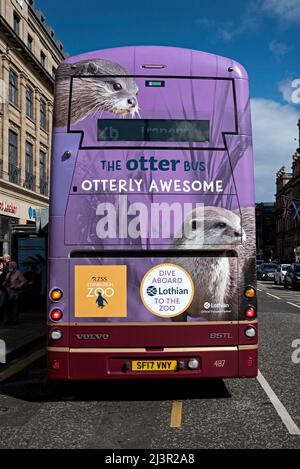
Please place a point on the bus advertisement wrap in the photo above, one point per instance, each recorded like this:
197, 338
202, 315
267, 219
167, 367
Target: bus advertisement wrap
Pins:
152, 206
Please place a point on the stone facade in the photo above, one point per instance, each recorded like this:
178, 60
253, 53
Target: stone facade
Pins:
288, 229
29, 56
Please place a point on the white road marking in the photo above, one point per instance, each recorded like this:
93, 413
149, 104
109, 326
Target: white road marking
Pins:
274, 296
293, 304
285, 296
279, 407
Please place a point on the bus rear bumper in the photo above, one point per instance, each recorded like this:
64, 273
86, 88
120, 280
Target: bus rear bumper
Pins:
97, 364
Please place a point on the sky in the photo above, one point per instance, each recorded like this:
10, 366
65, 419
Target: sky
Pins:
263, 35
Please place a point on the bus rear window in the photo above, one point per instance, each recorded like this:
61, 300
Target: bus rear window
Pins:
153, 130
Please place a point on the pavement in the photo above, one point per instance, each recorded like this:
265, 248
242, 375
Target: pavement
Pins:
23, 336
229, 413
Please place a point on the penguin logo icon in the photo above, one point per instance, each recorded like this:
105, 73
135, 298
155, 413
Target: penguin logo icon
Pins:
100, 301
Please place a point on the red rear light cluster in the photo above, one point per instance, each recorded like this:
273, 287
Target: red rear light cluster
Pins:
250, 313
56, 314
55, 364
249, 362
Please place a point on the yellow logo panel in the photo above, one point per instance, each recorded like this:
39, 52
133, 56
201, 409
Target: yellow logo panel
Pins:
101, 291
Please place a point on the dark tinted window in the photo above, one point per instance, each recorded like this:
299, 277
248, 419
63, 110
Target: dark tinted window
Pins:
17, 21
13, 88
155, 130
29, 102
270, 267
43, 115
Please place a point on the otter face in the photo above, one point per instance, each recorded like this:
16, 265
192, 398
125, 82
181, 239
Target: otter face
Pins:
117, 95
223, 230
212, 225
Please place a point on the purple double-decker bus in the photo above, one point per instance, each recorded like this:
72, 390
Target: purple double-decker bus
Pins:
152, 219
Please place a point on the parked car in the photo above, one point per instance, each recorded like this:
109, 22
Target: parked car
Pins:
292, 276
266, 271
258, 263
280, 273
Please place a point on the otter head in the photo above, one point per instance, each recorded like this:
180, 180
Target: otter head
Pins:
117, 95
212, 225
222, 226
100, 85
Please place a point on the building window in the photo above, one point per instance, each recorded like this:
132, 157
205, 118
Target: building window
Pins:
29, 102
43, 115
13, 170
43, 59
53, 71
30, 42
16, 25
13, 88
29, 178
43, 173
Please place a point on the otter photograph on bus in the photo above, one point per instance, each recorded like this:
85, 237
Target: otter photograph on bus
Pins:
152, 217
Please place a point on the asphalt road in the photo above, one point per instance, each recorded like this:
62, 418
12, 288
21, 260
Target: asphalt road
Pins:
208, 414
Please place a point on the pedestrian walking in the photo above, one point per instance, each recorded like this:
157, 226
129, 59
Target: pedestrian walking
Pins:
14, 283
3, 273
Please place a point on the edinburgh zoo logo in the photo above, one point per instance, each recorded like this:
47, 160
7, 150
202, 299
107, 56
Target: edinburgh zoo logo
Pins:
151, 291
167, 290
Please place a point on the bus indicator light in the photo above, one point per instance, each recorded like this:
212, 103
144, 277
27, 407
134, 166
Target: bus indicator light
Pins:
155, 84
56, 314
250, 313
56, 294
153, 66
250, 292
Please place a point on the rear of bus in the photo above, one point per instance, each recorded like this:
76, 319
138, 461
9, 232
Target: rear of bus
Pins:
152, 219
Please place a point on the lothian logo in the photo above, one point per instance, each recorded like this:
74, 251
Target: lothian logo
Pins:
151, 291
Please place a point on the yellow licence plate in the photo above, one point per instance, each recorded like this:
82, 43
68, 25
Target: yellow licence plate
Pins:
154, 365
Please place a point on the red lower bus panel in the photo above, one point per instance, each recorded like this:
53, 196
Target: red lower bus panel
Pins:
93, 365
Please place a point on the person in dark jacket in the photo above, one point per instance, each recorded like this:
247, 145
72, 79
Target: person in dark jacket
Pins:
14, 283
3, 273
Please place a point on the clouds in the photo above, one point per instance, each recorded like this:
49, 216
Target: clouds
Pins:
228, 30
274, 129
223, 30
287, 11
286, 90
278, 49
252, 18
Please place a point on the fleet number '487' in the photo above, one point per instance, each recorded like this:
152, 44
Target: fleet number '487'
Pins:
219, 363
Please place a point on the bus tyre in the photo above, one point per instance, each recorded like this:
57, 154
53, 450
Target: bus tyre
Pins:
285, 285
